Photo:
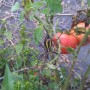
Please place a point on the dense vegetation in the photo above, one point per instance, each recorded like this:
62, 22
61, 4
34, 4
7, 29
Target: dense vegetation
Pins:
23, 66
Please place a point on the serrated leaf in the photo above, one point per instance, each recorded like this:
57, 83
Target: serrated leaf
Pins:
51, 66
54, 6
8, 34
38, 34
8, 82
88, 1
18, 48
15, 7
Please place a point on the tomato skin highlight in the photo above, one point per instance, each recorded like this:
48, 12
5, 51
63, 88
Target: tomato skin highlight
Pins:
65, 41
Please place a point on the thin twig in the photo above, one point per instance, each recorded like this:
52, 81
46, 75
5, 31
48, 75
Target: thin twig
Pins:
8, 17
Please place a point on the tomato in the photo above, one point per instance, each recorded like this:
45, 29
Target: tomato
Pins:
81, 35
78, 36
80, 25
65, 41
88, 28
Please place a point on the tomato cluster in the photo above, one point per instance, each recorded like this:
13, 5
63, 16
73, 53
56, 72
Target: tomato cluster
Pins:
72, 39
80, 35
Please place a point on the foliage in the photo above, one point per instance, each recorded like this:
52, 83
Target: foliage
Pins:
25, 67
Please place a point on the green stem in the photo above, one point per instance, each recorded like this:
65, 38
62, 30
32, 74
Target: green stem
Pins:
40, 21
84, 39
46, 28
74, 62
68, 78
84, 78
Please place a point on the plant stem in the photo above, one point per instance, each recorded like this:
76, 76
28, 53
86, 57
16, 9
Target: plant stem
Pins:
47, 28
74, 62
84, 39
40, 21
68, 78
84, 78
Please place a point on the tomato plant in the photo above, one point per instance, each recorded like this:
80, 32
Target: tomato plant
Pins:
26, 46
66, 41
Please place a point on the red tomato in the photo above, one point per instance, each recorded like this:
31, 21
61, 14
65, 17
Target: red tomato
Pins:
65, 41
80, 25
88, 28
78, 36
81, 35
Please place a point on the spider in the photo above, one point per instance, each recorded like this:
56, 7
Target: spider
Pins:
48, 44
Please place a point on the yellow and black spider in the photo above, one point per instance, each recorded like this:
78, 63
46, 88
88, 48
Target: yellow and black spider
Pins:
47, 46
47, 43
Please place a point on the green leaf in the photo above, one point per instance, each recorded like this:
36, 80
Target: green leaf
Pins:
19, 48
31, 16
17, 77
21, 16
54, 6
47, 72
88, 1
1, 41
54, 86
37, 5
38, 34
15, 7
8, 34
71, 50
45, 11
51, 66
8, 82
